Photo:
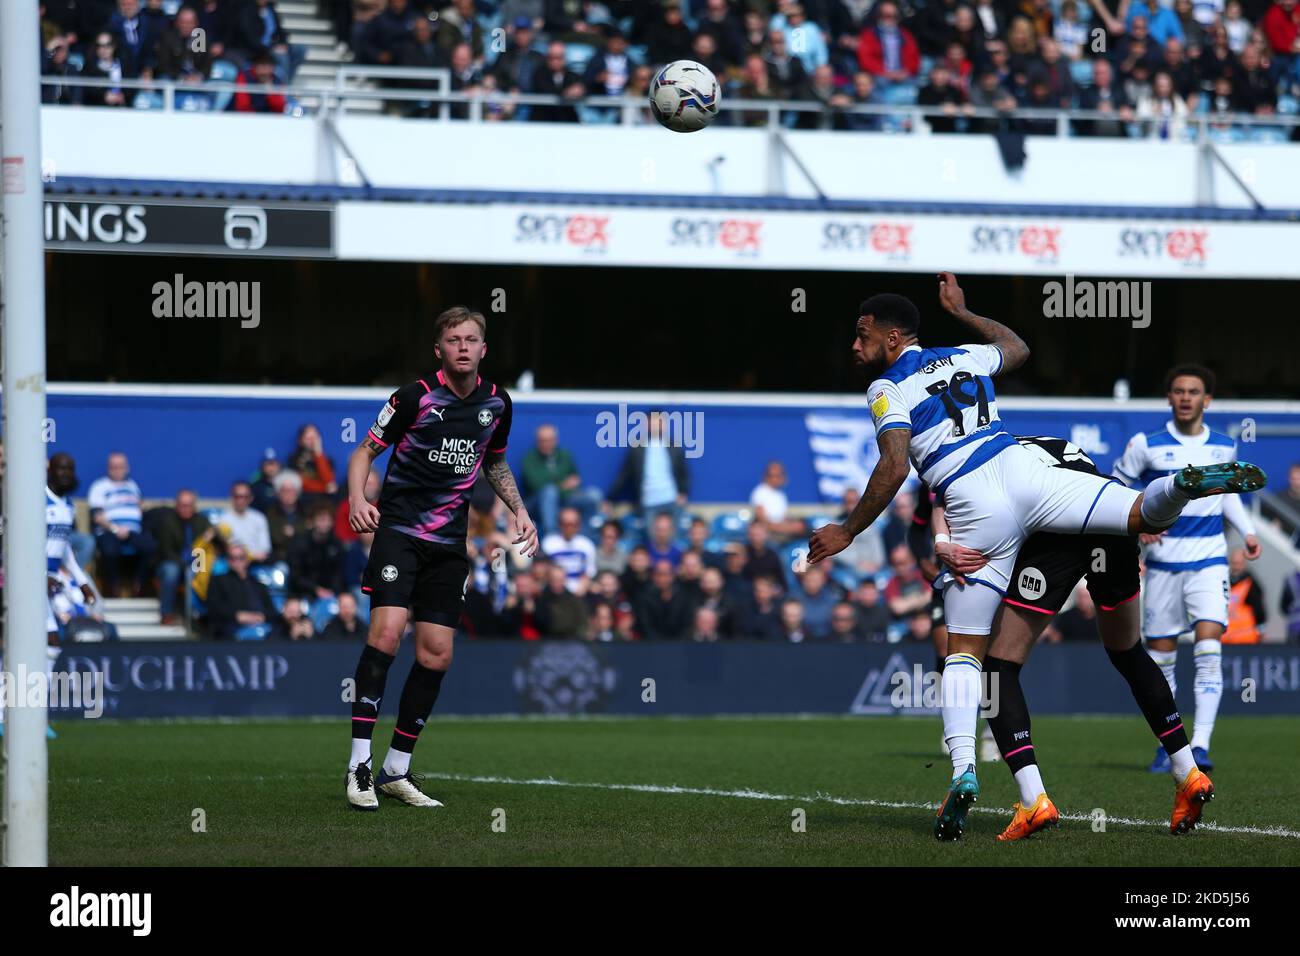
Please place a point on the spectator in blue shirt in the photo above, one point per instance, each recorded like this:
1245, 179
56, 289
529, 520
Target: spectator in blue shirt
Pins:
803, 37
818, 601
662, 544
1162, 22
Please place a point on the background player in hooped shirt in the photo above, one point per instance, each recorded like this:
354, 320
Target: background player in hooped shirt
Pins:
1187, 565
1047, 569
937, 407
60, 521
442, 430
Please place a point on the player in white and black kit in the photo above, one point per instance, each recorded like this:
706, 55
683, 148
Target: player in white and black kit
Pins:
443, 430
1047, 568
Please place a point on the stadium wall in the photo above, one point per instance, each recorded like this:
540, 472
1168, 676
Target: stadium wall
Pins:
204, 437
387, 152
561, 677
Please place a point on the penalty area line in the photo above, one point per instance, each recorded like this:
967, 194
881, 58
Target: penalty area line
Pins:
751, 794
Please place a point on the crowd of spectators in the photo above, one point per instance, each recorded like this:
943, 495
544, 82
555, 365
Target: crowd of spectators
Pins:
1150, 64
241, 41
633, 562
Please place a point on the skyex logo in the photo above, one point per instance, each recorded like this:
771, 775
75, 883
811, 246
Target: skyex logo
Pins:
1031, 583
389, 573
103, 909
485, 417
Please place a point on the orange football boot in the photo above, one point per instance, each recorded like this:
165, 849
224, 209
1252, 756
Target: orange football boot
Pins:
1189, 801
1028, 820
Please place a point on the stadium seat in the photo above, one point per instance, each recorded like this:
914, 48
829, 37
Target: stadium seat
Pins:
322, 612
730, 526
363, 606
845, 577
900, 94
633, 527
223, 71
1081, 72
596, 115
253, 632
272, 575
1288, 105
715, 545
577, 56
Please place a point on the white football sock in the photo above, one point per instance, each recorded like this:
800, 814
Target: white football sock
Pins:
1209, 690
1163, 501
1030, 782
961, 690
1166, 660
1183, 764
397, 763
360, 753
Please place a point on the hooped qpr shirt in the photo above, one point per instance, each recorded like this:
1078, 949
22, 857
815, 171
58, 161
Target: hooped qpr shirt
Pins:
945, 396
1196, 539
438, 441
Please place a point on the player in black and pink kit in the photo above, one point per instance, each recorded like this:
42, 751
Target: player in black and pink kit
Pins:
1047, 569
442, 429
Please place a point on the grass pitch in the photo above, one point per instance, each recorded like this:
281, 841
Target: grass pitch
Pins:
647, 792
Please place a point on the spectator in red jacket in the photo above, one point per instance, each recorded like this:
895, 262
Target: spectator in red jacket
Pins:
887, 50
1282, 27
313, 465
261, 72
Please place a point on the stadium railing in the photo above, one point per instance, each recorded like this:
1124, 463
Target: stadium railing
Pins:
169, 95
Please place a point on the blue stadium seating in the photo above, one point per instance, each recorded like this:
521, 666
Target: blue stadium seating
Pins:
729, 526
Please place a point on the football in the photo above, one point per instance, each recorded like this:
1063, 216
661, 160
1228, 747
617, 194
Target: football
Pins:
684, 96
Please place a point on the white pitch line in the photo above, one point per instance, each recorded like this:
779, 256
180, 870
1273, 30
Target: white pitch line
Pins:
750, 794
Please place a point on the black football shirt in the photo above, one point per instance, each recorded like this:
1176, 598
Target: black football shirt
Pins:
438, 441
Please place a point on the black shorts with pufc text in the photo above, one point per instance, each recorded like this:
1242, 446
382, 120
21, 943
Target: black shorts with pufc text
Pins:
427, 577
1050, 565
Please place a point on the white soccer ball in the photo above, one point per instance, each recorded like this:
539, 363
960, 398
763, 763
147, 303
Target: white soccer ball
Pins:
684, 96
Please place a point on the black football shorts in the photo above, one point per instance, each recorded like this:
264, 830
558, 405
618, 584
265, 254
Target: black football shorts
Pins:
426, 577
1050, 565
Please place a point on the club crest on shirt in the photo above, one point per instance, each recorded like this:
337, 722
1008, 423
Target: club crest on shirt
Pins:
879, 404
485, 417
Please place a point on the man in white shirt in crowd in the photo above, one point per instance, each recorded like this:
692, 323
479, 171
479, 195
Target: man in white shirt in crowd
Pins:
244, 525
771, 506
572, 551
117, 519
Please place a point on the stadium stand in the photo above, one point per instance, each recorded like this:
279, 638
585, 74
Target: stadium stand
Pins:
1153, 67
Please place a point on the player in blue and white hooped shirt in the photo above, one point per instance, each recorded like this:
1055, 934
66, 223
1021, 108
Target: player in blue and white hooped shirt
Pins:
1187, 565
60, 516
935, 409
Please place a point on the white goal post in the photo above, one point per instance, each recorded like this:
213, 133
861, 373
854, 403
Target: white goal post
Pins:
22, 315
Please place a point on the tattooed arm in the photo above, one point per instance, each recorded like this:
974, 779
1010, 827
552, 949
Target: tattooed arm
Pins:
362, 514
888, 476
502, 481
1013, 348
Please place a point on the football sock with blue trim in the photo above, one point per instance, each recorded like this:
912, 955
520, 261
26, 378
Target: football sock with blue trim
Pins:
1208, 690
960, 694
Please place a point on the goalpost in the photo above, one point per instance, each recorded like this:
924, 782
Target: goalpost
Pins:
22, 315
